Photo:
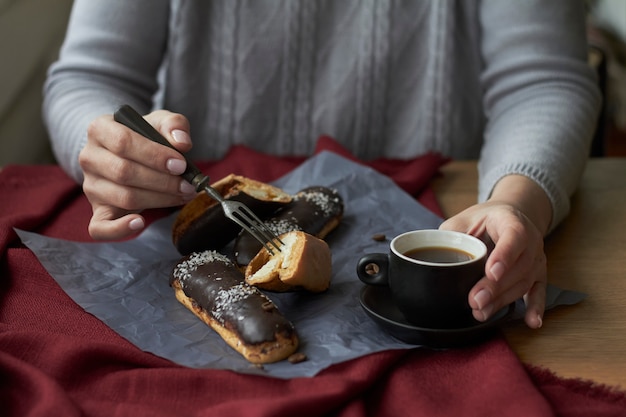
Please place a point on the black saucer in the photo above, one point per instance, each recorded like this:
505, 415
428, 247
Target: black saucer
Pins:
376, 301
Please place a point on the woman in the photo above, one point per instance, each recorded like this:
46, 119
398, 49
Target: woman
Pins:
505, 82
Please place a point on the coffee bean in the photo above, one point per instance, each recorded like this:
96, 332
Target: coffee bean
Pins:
379, 237
372, 269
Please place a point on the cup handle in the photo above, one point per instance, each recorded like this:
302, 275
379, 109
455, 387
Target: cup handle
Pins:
372, 269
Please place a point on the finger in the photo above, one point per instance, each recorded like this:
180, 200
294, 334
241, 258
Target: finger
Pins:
103, 165
535, 305
456, 223
107, 224
472, 224
126, 159
173, 126
486, 303
510, 243
105, 192
488, 296
126, 144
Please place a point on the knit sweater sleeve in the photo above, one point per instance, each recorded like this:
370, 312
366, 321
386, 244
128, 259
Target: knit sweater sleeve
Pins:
111, 55
540, 96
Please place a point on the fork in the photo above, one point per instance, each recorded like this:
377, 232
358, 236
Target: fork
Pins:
233, 210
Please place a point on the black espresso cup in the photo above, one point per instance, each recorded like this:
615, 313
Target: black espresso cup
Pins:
430, 274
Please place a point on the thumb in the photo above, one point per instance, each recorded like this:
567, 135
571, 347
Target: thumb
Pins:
109, 223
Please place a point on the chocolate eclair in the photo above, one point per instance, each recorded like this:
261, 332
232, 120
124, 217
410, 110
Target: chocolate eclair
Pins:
213, 288
315, 210
201, 224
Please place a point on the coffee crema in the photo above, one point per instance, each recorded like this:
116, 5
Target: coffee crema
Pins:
439, 254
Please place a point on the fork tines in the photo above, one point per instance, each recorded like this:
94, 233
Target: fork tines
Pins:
257, 228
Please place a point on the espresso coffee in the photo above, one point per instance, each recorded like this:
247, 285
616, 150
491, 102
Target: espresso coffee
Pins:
441, 255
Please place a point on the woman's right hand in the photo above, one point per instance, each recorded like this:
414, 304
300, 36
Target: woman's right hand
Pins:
125, 173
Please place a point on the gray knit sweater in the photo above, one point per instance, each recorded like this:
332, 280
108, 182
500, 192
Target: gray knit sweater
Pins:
503, 81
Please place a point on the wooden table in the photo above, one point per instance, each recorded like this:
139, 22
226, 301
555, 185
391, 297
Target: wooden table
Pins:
586, 253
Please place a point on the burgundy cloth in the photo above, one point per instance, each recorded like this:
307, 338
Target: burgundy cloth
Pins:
58, 360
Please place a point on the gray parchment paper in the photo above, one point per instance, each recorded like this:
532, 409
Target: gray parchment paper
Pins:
125, 284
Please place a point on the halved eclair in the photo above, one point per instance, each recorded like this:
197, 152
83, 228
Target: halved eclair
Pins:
303, 263
201, 224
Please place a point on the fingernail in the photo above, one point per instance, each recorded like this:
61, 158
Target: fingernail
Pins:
180, 136
176, 166
186, 188
482, 298
539, 321
136, 224
497, 270
487, 311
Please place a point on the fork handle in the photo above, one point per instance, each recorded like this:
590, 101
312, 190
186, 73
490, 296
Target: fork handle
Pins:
129, 117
